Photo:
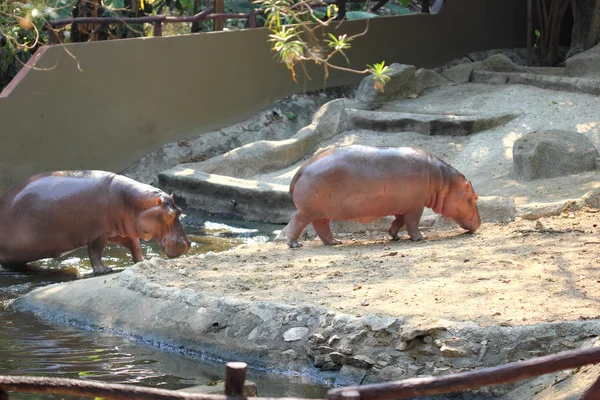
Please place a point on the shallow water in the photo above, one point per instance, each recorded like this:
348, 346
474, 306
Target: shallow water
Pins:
30, 346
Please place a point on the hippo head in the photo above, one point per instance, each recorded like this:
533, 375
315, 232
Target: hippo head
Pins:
160, 222
461, 205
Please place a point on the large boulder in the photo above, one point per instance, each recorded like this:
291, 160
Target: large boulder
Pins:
552, 153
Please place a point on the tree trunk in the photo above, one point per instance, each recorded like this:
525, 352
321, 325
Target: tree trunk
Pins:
586, 25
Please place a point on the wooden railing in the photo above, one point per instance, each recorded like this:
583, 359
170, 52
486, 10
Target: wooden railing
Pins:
214, 12
235, 376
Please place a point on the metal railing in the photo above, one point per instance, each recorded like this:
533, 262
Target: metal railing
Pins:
235, 376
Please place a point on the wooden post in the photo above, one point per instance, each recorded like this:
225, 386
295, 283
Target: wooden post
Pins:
219, 9
425, 6
251, 19
341, 9
157, 28
52, 39
235, 377
529, 33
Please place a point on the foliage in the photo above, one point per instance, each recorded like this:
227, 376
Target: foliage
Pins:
295, 29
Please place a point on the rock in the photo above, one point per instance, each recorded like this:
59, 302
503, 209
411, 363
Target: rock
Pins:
497, 209
501, 63
462, 73
319, 361
337, 358
586, 64
316, 339
401, 85
324, 349
592, 198
349, 376
360, 361
454, 351
290, 354
295, 334
552, 153
425, 78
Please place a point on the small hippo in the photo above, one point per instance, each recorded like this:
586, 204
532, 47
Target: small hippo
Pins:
364, 183
55, 213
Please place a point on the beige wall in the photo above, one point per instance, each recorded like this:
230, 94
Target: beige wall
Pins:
130, 96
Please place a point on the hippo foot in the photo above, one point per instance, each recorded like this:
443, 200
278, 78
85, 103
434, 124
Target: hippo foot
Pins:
395, 238
102, 271
416, 238
294, 245
333, 242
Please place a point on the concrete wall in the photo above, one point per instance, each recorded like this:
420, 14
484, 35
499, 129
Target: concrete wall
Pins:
104, 105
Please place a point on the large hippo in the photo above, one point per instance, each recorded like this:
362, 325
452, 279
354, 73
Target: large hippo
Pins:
55, 213
365, 183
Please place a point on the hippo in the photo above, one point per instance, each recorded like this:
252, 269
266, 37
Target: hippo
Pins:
55, 213
364, 183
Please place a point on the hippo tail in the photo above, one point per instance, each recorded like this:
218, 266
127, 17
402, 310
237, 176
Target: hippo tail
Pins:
303, 167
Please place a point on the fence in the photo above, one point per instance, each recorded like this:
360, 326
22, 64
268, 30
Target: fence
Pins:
219, 17
235, 376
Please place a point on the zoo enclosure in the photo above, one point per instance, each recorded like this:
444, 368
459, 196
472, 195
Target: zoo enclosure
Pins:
235, 376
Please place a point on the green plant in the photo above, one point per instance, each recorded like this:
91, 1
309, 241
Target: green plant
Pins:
295, 29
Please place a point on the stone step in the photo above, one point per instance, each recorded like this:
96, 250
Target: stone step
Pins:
426, 124
564, 83
229, 197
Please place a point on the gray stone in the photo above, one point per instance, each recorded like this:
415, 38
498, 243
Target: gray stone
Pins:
324, 349
496, 208
462, 73
295, 334
319, 361
585, 64
552, 153
454, 351
316, 339
337, 358
349, 376
360, 361
401, 85
592, 198
501, 63
425, 78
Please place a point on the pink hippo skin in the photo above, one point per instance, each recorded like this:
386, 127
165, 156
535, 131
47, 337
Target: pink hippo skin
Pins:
365, 183
55, 213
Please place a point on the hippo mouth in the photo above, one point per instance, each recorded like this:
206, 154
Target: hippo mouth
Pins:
175, 247
473, 224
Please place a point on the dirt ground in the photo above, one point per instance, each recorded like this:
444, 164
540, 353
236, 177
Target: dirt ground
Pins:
518, 273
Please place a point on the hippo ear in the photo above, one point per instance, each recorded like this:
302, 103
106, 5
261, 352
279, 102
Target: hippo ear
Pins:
159, 201
468, 186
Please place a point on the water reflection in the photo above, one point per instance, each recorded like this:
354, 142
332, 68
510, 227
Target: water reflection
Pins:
29, 346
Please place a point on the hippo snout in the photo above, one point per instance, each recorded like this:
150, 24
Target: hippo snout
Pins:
175, 247
473, 224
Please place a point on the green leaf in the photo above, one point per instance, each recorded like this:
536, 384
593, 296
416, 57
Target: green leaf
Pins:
398, 9
61, 9
115, 3
350, 15
537, 33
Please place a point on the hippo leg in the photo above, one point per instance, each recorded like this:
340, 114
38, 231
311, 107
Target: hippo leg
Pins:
294, 229
95, 250
324, 231
412, 220
397, 224
132, 244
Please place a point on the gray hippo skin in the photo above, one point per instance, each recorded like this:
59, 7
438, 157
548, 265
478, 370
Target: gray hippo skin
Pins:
365, 183
55, 213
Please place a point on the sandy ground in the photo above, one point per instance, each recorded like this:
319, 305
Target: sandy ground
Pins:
519, 273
